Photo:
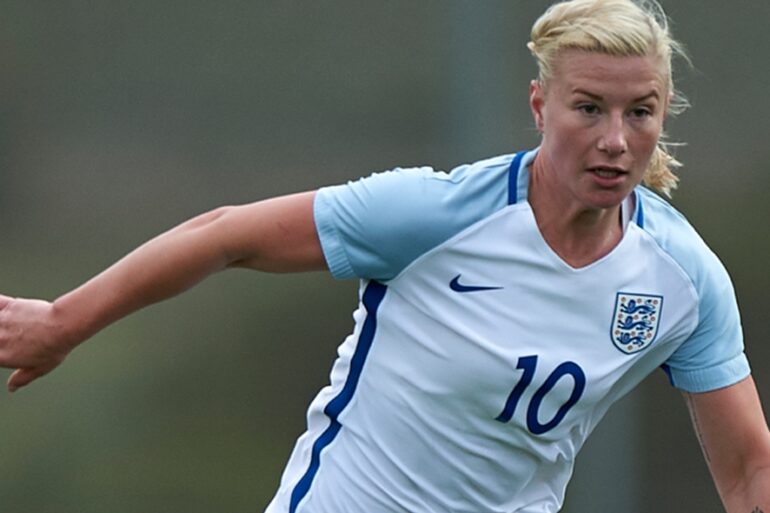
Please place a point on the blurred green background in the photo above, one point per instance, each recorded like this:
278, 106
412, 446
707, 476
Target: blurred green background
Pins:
119, 120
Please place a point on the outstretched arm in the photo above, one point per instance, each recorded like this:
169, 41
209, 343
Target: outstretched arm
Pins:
276, 235
733, 434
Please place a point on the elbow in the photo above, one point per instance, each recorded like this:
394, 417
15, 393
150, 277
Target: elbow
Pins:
746, 483
207, 218
208, 234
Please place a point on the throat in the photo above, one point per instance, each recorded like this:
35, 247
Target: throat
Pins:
583, 239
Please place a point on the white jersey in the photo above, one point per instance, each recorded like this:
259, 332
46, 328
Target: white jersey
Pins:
480, 360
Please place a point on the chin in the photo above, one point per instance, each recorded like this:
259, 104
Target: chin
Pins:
607, 199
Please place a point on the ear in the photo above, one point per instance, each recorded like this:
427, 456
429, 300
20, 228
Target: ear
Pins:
536, 103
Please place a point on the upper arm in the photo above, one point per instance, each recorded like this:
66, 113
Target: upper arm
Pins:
275, 235
734, 436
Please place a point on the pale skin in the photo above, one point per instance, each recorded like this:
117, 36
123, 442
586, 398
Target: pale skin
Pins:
600, 118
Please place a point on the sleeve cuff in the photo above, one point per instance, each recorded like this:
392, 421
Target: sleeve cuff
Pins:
712, 378
333, 249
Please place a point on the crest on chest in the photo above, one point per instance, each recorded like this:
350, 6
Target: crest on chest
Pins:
635, 321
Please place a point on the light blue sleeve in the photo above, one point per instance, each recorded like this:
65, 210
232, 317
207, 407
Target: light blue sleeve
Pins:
713, 356
374, 227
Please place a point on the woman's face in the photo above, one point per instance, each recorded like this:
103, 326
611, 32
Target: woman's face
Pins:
601, 117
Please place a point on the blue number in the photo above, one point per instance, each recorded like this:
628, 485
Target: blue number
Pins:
528, 365
566, 368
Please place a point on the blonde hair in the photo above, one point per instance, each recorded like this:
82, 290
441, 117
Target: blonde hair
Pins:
621, 28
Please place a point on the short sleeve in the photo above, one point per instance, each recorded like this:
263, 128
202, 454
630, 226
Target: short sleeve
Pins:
374, 227
713, 356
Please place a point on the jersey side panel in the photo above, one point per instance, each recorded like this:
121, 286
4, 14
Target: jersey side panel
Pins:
323, 413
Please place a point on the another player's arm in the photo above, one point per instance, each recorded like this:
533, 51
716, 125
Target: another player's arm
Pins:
734, 436
276, 235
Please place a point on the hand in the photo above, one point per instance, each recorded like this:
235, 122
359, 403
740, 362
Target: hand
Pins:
32, 340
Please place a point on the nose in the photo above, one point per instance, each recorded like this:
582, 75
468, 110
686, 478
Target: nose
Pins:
613, 138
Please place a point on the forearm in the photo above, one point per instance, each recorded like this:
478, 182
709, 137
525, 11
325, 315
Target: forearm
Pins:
159, 269
275, 235
731, 427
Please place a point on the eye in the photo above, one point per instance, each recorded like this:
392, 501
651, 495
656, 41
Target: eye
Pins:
641, 112
590, 109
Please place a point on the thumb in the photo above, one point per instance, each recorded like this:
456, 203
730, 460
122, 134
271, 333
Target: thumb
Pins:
22, 377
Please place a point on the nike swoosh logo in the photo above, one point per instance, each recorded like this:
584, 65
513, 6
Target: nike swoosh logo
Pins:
459, 287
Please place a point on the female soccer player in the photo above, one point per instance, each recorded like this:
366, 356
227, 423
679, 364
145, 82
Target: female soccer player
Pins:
504, 305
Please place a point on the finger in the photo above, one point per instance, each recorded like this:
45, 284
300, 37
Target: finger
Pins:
21, 377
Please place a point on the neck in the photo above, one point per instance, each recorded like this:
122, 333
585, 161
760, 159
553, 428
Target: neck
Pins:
579, 234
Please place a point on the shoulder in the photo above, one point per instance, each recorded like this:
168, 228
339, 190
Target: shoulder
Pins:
427, 183
677, 238
712, 356
375, 226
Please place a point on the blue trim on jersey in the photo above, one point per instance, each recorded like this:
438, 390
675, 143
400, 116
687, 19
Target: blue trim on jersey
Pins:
639, 211
513, 176
372, 298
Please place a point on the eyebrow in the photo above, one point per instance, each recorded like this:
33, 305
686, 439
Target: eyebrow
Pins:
651, 94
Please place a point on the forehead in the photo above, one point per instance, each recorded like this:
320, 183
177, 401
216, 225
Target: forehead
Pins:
604, 74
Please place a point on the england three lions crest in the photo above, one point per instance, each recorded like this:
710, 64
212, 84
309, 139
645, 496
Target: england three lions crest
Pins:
635, 321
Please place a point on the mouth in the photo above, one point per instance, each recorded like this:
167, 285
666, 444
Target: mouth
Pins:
608, 176
608, 173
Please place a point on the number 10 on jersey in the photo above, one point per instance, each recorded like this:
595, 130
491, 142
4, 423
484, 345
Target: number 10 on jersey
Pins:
529, 365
